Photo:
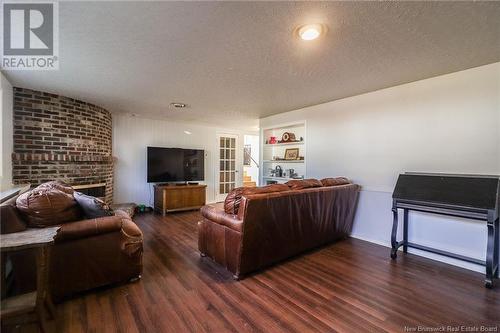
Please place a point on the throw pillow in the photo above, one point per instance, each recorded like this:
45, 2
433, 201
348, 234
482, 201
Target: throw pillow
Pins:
91, 206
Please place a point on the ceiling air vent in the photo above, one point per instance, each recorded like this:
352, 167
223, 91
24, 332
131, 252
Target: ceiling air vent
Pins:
177, 105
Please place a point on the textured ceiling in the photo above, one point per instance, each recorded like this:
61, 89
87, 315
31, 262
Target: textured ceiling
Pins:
233, 62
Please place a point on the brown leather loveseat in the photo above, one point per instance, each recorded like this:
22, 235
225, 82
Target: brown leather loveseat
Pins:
258, 227
87, 253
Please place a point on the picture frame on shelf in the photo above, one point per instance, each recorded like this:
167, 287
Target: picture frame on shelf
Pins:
292, 154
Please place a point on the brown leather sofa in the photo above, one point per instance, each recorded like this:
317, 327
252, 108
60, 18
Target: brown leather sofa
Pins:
261, 226
87, 253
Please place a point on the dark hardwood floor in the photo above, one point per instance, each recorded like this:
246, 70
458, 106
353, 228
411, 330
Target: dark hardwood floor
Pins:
351, 286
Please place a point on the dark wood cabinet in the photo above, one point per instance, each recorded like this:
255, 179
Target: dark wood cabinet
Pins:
171, 198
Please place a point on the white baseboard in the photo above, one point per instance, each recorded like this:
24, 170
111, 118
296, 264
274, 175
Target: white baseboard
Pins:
428, 255
372, 241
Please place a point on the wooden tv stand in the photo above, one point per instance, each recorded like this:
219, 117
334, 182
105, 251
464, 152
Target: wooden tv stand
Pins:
173, 198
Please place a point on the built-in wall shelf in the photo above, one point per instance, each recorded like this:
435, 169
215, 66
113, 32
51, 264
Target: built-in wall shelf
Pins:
281, 178
284, 161
271, 151
270, 145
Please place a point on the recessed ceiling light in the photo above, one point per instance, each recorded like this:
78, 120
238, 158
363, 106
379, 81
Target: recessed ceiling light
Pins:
187, 132
178, 105
311, 31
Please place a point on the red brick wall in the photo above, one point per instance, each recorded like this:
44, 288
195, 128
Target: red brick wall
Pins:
57, 137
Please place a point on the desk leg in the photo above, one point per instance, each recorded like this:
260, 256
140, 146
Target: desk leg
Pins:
491, 252
394, 243
496, 247
405, 231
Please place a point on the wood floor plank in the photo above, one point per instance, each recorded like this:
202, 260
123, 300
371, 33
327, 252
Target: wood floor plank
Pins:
350, 286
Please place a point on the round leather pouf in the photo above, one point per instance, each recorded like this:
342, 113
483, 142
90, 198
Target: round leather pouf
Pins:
46, 206
56, 184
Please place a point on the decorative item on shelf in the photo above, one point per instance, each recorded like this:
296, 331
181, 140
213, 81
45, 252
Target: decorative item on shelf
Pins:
301, 139
278, 171
291, 173
272, 172
272, 140
301, 158
292, 154
288, 137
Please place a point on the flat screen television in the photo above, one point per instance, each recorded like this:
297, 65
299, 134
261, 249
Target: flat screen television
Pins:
175, 165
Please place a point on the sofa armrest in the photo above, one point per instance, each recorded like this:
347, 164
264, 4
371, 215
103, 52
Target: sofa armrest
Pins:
88, 228
221, 217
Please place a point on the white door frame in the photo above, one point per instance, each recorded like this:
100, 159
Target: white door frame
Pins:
238, 177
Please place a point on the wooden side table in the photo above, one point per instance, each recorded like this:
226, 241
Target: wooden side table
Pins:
34, 302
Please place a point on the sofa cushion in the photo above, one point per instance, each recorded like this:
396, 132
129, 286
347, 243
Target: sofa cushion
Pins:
46, 205
92, 207
335, 181
299, 184
10, 221
233, 199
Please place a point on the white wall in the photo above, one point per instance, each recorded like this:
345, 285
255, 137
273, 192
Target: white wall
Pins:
6, 125
449, 124
131, 136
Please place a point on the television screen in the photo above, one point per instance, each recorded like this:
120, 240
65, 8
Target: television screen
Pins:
175, 165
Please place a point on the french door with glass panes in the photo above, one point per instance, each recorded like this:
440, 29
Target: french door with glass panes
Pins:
228, 165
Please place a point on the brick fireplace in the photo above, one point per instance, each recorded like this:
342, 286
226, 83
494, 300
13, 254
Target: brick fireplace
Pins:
57, 137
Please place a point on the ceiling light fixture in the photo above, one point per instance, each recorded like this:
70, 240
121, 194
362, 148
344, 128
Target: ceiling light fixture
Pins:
187, 132
311, 31
178, 105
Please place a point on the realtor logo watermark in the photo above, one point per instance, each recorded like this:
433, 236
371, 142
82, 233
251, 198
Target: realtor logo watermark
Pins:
30, 33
